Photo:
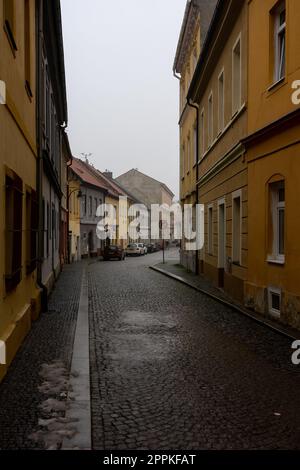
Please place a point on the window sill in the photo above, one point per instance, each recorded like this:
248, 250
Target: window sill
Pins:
10, 37
276, 84
276, 261
28, 90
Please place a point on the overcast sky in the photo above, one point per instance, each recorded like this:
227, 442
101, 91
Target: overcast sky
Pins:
122, 96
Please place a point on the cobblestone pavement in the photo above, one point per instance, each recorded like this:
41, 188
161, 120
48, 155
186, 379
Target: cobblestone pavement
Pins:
173, 369
50, 339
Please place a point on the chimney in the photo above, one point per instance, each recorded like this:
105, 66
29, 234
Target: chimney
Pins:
108, 174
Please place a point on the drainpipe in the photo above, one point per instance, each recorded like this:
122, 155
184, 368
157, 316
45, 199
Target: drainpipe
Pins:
196, 107
175, 75
69, 164
39, 171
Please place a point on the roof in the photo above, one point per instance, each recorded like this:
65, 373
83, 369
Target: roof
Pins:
163, 185
81, 169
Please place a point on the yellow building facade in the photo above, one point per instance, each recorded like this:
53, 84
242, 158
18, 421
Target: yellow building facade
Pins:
273, 150
219, 89
74, 219
19, 295
187, 55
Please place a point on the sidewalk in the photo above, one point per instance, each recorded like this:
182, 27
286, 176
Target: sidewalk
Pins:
32, 388
173, 269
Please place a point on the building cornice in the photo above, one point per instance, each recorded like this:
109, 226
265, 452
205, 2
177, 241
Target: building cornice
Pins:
236, 152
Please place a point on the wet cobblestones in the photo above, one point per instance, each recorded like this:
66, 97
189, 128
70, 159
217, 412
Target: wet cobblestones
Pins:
173, 369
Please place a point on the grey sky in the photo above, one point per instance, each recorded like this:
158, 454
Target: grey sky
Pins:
122, 97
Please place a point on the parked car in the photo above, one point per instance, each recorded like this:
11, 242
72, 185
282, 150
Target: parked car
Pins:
142, 248
133, 249
113, 252
145, 248
151, 248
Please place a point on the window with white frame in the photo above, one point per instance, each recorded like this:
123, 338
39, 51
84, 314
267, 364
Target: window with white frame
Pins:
280, 41
236, 228
202, 133
195, 143
210, 119
277, 201
236, 76
210, 227
221, 100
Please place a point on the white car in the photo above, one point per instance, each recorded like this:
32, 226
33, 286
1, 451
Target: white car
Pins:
143, 248
135, 249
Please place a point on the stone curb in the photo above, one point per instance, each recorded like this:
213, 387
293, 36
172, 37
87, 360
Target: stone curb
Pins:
80, 408
284, 331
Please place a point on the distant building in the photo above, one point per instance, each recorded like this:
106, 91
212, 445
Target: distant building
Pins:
147, 190
93, 190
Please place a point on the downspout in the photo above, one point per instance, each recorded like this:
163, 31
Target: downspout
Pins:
69, 164
39, 172
196, 107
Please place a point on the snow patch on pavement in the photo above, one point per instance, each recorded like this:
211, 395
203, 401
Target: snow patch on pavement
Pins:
53, 425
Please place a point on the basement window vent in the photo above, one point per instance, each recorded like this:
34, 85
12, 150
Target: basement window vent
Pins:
274, 301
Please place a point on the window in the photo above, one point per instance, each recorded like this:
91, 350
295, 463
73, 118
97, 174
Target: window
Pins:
274, 300
277, 202
9, 22
236, 77
195, 59
48, 231
202, 133
236, 228
195, 143
53, 225
182, 88
96, 206
84, 204
44, 228
13, 230
188, 154
183, 161
280, 41
90, 205
31, 230
210, 230
27, 47
210, 120
221, 102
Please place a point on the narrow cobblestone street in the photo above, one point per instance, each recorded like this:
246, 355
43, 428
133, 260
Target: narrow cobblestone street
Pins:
170, 368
